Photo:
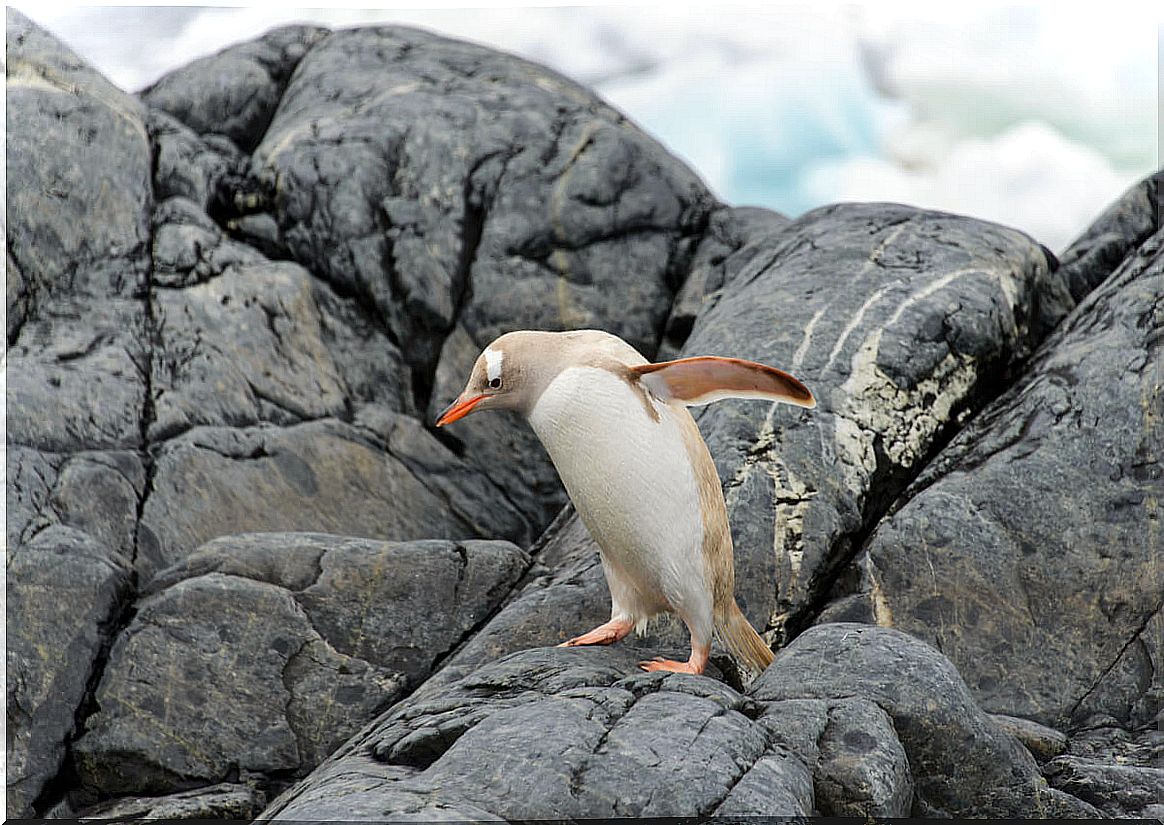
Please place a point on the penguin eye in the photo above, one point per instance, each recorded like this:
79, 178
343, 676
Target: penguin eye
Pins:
495, 383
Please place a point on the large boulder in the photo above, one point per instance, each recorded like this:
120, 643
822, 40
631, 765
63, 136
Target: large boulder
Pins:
963, 764
78, 175
1025, 552
902, 321
463, 193
262, 653
558, 733
236, 91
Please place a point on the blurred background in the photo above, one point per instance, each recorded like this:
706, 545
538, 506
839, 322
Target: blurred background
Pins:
1033, 115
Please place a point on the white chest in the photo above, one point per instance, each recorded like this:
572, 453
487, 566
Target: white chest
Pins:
629, 476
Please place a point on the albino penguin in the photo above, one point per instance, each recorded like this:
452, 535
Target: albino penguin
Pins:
639, 473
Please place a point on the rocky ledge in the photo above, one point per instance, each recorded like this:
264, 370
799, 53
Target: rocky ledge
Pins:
246, 578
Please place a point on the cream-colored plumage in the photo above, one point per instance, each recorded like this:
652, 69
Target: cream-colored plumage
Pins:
634, 488
637, 470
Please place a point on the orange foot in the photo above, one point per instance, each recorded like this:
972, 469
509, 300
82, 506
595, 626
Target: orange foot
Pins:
659, 663
604, 634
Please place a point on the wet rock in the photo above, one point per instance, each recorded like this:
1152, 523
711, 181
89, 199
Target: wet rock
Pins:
262, 653
235, 92
1041, 595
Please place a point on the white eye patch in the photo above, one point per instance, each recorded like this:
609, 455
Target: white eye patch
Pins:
493, 363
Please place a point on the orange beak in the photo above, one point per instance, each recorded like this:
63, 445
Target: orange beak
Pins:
460, 407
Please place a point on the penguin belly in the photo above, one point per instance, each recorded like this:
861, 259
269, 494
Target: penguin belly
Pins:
631, 481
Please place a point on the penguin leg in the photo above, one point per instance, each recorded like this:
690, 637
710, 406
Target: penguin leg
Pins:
604, 634
695, 664
697, 616
624, 606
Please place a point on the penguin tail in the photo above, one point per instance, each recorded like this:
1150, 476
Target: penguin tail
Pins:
742, 640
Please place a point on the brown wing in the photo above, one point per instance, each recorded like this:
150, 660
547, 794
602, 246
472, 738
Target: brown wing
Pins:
708, 378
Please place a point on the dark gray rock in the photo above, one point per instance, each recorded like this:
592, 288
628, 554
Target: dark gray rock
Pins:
446, 183
17, 296
77, 252
1122, 791
1044, 743
187, 166
398, 605
463, 193
262, 653
63, 591
242, 339
76, 378
863, 769
221, 801
79, 193
96, 493
1112, 237
962, 764
233, 676
733, 238
1022, 552
900, 321
551, 733
385, 479
240, 348
851, 720
189, 248
235, 91
78, 176
1103, 739
563, 594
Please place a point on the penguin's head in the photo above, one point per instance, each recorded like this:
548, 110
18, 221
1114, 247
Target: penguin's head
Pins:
509, 375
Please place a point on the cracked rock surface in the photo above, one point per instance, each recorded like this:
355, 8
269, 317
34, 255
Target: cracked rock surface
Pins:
614, 741
262, 653
186, 361
243, 569
964, 562
901, 320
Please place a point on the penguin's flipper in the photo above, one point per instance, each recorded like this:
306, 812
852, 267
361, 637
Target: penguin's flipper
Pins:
707, 378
